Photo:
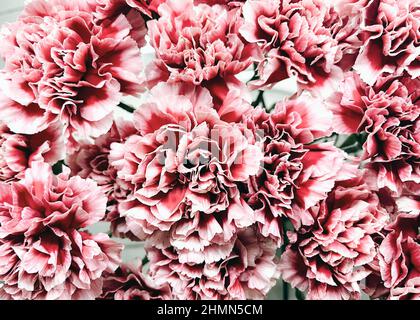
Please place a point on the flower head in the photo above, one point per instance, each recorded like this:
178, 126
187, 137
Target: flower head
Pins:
43, 254
248, 272
91, 160
61, 64
302, 39
197, 43
329, 257
388, 113
130, 283
184, 165
390, 36
19, 151
295, 173
396, 274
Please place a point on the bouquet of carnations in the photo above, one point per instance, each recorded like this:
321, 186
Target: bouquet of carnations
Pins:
228, 189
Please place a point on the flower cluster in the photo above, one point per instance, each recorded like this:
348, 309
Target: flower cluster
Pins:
201, 156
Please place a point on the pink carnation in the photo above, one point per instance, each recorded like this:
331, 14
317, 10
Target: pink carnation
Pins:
295, 173
92, 161
185, 165
388, 112
130, 283
406, 202
107, 8
248, 272
306, 39
111, 10
409, 203
103, 11
42, 254
202, 237
220, 2
390, 35
52, 8
147, 7
329, 257
396, 273
18, 151
196, 43
61, 64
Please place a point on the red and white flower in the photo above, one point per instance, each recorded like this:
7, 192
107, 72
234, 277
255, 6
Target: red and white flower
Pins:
302, 39
19, 151
61, 64
91, 160
248, 272
328, 258
389, 113
43, 254
295, 172
185, 165
130, 283
196, 43
390, 32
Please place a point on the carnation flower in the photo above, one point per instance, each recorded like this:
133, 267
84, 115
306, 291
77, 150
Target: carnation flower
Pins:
329, 258
295, 172
43, 254
248, 272
407, 202
225, 2
130, 283
60, 63
107, 8
52, 8
389, 114
202, 237
196, 43
302, 39
148, 7
390, 35
18, 151
185, 165
91, 160
396, 273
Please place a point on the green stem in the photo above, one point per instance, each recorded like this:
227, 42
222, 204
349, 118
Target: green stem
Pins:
145, 261
126, 107
255, 76
353, 143
286, 241
299, 295
260, 100
285, 290
58, 167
